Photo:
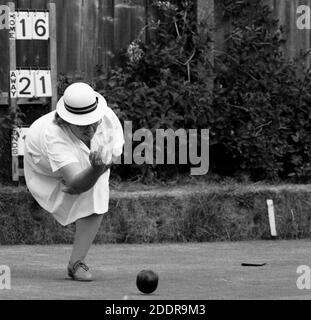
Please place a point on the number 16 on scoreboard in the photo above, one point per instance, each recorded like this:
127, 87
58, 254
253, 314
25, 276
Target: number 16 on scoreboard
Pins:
32, 25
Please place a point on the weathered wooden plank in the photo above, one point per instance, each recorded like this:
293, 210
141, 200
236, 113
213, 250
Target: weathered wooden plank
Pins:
53, 53
61, 17
105, 46
222, 28
148, 18
13, 102
4, 99
291, 32
206, 22
122, 25
138, 19
205, 16
73, 27
12, 58
4, 57
89, 38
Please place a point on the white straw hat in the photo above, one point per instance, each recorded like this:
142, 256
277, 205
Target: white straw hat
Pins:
81, 105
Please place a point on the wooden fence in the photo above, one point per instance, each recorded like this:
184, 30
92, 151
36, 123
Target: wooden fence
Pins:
297, 41
91, 32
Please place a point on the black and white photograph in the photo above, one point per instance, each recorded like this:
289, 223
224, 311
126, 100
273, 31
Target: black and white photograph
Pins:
155, 154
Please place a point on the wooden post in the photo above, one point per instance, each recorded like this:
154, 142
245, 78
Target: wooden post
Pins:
12, 59
13, 100
53, 53
106, 34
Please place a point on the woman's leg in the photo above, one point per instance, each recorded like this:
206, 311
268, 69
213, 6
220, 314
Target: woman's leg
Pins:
86, 230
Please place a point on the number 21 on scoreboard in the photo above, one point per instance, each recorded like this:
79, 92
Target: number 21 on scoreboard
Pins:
30, 83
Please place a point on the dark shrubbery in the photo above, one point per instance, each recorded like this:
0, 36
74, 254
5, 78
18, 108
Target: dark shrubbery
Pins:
258, 112
262, 100
259, 117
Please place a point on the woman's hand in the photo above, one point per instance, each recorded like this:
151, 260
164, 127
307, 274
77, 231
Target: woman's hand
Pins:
67, 189
100, 159
77, 181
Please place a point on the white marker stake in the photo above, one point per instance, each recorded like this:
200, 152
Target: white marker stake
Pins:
271, 218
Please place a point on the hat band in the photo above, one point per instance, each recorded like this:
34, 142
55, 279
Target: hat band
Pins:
83, 110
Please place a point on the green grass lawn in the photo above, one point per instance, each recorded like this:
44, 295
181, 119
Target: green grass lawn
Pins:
186, 271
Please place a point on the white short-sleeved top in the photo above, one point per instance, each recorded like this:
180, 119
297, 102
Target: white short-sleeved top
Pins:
48, 148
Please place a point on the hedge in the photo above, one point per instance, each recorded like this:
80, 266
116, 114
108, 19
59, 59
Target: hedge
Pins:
189, 214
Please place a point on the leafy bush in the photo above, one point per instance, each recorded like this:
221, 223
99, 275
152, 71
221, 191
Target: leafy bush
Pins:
261, 99
259, 117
